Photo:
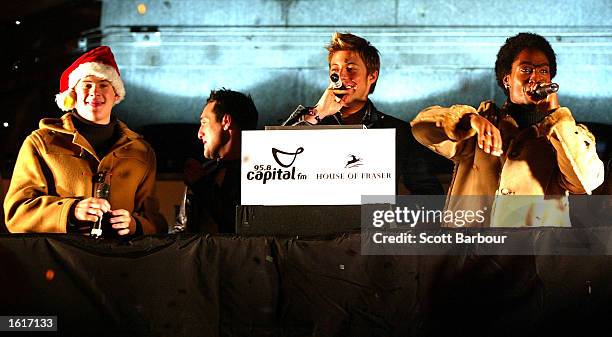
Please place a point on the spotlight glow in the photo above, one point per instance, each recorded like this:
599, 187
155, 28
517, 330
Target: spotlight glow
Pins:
142, 9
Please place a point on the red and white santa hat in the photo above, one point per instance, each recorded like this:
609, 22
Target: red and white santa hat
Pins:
99, 62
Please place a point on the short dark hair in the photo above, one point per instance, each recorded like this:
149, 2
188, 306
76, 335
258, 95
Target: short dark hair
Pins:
513, 46
367, 52
236, 104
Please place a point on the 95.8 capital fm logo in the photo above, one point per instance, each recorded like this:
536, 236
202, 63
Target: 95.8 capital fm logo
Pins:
283, 170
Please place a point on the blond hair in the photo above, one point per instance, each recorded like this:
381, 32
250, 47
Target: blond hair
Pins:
347, 41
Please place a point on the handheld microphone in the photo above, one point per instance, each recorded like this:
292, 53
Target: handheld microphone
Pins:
543, 91
337, 83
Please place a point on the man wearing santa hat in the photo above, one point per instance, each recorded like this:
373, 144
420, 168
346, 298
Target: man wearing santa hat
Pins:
87, 165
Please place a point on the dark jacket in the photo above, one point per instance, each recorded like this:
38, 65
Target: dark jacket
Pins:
214, 198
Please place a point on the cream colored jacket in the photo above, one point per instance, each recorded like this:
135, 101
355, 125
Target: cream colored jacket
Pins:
529, 183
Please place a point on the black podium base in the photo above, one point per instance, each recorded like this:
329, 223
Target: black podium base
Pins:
297, 220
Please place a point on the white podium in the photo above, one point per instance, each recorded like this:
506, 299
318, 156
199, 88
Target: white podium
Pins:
316, 165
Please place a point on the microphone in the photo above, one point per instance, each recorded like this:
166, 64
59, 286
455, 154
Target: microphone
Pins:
337, 83
543, 91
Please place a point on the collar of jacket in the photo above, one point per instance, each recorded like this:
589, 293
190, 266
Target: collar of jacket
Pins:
66, 126
370, 115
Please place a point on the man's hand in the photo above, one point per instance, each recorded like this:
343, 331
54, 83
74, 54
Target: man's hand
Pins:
91, 209
489, 137
329, 103
551, 102
122, 222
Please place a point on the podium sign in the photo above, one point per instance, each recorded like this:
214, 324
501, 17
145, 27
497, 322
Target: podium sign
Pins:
316, 166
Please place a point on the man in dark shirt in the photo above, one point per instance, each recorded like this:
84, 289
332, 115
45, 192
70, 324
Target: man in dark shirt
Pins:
215, 186
357, 63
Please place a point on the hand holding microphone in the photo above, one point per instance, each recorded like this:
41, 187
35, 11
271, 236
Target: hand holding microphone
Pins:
329, 103
543, 90
338, 87
545, 96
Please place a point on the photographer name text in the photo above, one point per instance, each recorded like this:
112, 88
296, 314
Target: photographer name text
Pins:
426, 238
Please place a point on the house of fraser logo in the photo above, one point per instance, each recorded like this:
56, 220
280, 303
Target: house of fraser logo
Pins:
355, 168
354, 161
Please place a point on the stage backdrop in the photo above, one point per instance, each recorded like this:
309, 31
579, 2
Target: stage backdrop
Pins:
172, 53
